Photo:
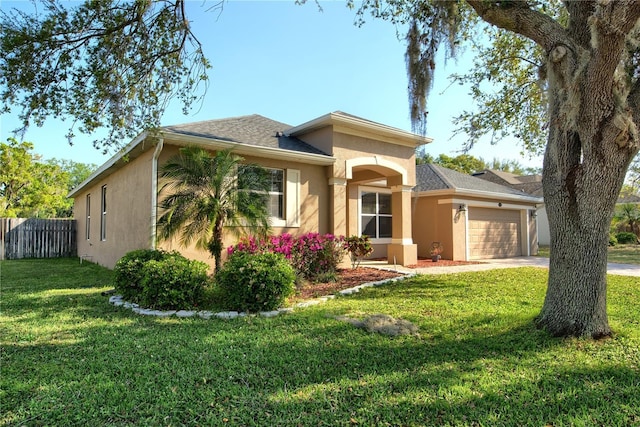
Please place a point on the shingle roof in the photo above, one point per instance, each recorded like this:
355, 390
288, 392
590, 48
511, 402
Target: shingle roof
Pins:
251, 130
431, 177
531, 184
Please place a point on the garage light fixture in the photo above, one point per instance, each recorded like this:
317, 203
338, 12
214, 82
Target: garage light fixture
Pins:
462, 208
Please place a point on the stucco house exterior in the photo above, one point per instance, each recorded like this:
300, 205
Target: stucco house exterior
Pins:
471, 217
338, 174
530, 184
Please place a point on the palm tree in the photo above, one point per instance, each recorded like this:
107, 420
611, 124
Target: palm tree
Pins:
629, 215
203, 192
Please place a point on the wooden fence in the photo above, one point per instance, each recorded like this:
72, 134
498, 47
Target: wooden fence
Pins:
37, 238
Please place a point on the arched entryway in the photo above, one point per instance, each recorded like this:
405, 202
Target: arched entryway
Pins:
373, 197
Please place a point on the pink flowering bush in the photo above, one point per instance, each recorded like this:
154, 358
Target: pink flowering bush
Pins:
312, 255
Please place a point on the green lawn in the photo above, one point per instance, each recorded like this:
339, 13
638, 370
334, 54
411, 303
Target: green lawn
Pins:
623, 254
70, 358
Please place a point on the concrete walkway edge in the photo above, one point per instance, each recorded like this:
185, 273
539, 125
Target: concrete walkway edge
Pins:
492, 264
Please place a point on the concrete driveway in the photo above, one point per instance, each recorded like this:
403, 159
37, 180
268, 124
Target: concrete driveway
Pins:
525, 261
535, 261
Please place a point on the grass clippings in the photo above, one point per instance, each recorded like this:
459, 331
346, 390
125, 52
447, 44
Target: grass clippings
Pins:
382, 324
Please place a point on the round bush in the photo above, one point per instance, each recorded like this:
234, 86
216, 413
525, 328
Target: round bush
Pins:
173, 283
626, 237
256, 282
128, 271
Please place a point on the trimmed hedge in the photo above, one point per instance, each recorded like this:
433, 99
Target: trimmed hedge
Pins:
173, 283
128, 271
256, 282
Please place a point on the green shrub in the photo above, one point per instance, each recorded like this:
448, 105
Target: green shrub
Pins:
626, 237
256, 282
612, 239
128, 271
173, 283
359, 247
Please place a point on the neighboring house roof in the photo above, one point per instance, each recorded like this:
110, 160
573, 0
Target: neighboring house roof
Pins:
434, 178
531, 184
631, 198
251, 130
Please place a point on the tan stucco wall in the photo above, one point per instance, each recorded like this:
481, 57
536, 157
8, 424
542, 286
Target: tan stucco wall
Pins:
128, 224
435, 221
351, 147
314, 203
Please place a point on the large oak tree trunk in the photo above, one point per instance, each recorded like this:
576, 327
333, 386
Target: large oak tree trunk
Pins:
584, 168
579, 218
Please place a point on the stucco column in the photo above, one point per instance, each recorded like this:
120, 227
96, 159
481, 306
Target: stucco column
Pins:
338, 206
402, 250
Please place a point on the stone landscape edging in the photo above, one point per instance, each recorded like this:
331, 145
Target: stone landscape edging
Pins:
117, 301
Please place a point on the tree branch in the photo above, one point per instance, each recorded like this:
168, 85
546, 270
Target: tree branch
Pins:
519, 18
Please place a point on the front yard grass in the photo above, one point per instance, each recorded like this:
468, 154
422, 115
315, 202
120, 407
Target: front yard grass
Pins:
622, 254
70, 358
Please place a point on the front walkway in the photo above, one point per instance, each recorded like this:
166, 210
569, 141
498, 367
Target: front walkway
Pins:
491, 264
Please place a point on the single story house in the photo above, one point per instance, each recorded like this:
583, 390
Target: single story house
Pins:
338, 174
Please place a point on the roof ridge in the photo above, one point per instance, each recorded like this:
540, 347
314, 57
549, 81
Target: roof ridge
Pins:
243, 116
442, 176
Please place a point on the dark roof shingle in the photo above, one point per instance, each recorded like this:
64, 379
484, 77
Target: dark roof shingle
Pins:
251, 130
431, 177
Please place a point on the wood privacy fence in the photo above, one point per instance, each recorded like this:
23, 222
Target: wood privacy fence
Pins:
37, 238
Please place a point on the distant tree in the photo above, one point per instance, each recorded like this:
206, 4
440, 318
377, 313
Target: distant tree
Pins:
424, 158
463, 163
513, 166
31, 188
78, 172
201, 193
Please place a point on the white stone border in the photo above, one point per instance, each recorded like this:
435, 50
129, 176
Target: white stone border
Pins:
117, 301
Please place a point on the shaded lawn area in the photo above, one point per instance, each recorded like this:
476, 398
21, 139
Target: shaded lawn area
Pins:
621, 254
70, 358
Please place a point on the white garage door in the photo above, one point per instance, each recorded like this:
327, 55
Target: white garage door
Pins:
494, 233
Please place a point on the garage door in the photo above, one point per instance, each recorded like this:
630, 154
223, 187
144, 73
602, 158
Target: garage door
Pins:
494, 233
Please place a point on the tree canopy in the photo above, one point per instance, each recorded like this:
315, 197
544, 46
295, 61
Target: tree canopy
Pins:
104, 64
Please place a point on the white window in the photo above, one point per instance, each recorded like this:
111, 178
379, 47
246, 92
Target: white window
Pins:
375, 214
103, 215
88, 212
283, 201
276, 194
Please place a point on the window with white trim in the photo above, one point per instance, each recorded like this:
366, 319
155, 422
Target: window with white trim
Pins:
283, 196
103, 214
375, 214
276, 194
88, 213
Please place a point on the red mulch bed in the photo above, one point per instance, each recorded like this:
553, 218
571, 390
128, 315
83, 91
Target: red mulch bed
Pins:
427, 262
347, 278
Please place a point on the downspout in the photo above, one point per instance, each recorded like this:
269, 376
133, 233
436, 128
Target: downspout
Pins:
154, 191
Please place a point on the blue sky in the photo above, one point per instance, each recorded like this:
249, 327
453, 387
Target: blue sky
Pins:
293, 63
